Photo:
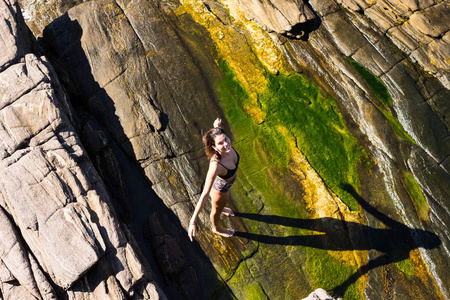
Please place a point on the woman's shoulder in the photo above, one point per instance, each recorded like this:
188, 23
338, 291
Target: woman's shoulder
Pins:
214, 159
214, 164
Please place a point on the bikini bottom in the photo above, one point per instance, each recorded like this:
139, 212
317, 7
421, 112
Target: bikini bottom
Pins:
222, 185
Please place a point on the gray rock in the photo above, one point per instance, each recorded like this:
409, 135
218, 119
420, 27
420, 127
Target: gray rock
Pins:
319, 294
12, 31
141, 73
417, 28
14, 257
56, 217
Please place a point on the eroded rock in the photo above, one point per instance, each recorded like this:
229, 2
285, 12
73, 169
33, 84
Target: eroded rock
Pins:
56, 216
141, 69
279, 16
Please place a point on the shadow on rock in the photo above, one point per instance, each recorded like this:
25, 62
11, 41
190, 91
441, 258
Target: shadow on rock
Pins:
98, 101
395, 242
301, 31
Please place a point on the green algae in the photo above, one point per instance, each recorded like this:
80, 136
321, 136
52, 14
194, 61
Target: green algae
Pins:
314, 122
396, 126
381, 91
330, 274
377, 86
406, 266
312, 119
416, 195
252, 289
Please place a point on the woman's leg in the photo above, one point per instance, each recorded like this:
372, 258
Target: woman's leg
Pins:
218, 202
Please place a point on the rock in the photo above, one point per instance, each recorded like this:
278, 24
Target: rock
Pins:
319, 294
137, 121
32, 149
165, 149
56, 216
15, 259
417, 29
14, 33
147, 77
434, 21
170, 258
279, 16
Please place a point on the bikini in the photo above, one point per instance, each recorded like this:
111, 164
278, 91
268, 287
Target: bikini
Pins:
220, 184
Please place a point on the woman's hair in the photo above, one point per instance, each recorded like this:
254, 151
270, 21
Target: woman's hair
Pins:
209, 141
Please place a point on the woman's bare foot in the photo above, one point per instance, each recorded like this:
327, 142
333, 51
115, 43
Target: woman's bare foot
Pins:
224, 232
227, 212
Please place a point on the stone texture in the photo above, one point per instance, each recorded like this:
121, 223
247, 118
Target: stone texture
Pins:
279, 16
15, 37
138, 74
170, 258
319, 294
417, 29
56, 218
433, 21
144, 80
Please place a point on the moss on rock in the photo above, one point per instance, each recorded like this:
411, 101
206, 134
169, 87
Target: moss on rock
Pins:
297, 116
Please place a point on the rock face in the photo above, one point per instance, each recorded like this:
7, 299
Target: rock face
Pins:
419, 30
57, 223
276, 16
338, 109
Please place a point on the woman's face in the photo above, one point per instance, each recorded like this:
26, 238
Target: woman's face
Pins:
222, 144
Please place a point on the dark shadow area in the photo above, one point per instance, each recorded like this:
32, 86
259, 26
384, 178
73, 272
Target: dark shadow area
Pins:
395, 243
301, 31
102, 135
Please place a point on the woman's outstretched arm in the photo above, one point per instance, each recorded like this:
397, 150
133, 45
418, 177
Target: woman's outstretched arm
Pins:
210, 176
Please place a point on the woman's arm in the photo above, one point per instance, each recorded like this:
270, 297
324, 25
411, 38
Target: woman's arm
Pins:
210, 176
217, 122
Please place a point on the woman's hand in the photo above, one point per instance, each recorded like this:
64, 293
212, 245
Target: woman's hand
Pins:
191, 231
217, 123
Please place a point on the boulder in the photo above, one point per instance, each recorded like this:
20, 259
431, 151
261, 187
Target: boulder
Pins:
319, 294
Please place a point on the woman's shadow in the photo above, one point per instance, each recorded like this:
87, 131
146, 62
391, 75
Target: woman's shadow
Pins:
394, 242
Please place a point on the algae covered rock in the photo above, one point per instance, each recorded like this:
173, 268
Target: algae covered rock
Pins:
342, 133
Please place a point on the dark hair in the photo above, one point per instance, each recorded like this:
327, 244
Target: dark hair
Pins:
209, 141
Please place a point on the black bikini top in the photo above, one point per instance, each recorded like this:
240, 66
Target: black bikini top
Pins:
230, 173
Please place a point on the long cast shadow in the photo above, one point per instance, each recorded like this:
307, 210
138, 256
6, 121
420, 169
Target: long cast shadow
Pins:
109, 148
395, 242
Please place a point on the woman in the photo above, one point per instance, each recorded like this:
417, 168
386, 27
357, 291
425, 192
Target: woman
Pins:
223, 163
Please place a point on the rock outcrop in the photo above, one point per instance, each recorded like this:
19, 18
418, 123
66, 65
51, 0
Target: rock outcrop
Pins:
277, 16
419, 30
338, 109
59, 231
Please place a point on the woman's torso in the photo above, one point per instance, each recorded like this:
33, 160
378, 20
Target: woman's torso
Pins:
229, 166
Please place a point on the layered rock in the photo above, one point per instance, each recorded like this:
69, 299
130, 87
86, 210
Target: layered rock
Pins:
132, 75
277, 16
58, 226
420, 30
142, 74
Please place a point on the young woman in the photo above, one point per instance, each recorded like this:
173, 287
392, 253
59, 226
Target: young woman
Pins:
223, 164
